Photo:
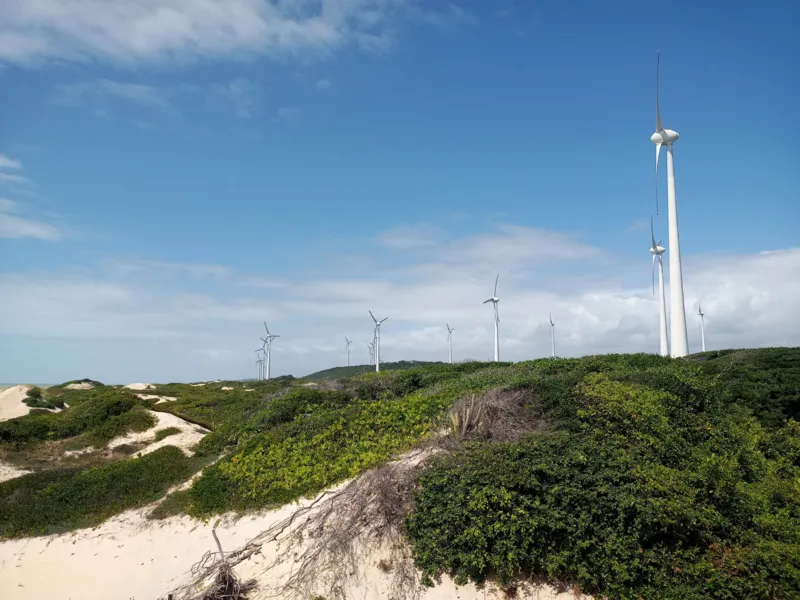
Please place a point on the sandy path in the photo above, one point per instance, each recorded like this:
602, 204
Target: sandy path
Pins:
11, 405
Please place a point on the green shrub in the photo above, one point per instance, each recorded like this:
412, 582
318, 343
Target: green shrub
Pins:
656, 485
63, 499
166, 432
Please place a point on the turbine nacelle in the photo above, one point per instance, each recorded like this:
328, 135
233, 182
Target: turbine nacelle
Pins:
657, 250
665, 136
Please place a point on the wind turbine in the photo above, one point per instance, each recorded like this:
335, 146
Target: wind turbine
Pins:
450, 341
371, 348
260, 365
494, 300
377, 340
667, 137
262, 360
552, 337
347, 348
657, 250
268, 342
702, 326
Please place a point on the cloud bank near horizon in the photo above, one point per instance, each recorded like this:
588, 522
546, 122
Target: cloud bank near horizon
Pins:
159, 321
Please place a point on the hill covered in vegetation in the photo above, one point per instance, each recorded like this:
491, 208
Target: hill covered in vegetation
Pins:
355, 370
626, 476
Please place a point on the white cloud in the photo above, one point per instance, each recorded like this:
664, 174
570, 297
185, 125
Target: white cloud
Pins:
137, 31
9, 163
289, 113
91, 91
323, 84
408, 237
748, 302
15, 227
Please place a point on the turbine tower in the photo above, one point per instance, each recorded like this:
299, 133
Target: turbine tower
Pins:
263, 359
552, 337
377, 341
702, 326
268, 342
667, 137
657, 250
494, 300
347, 348
450, 341
371, 348
260, 365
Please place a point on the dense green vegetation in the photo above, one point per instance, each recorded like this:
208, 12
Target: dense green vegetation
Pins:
355, 370
62, 499
657, 479
648, 478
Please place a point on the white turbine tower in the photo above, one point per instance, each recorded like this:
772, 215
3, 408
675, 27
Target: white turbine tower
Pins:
450, 331
347, 348
702, 326
263, 359
371, 348
552, 337
657, 250
667, 137
377, 340
268, 342
495, 300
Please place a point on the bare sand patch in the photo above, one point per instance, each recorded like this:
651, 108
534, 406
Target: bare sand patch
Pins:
8, 472
84, 385
189, 435
158, 399
140, 386
11, 402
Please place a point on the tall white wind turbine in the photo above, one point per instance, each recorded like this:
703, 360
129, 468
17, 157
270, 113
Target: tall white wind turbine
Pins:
347, 348
377, 340
657, 250
495, 300
552, 337
667, 137
702, 326
268, 342
450, 331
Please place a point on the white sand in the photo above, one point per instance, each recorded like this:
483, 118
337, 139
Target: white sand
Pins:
225, 388
8, 472
159, 399
131, 558
140, 386
11, 402
85, 385
189, 435
197, 384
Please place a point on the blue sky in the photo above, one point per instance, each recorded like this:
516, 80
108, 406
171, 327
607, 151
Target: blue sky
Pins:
172, 174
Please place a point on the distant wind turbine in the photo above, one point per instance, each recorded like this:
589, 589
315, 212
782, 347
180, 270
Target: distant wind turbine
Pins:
657, 250
450, 331
678, 334
552, 337
702, 326
260, 365
262, 360
347, 348
377, 340
371, 347
495, 300
268, 342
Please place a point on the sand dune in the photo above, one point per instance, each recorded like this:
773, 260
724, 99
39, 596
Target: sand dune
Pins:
140, 386
159, 399
11, 402
131, 558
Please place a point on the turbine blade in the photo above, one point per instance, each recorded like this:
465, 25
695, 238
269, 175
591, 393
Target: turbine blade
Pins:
383, 319
658, 153
487, 301
659, 126
373, 317
495, 285
654, 274
652, 235
265, 327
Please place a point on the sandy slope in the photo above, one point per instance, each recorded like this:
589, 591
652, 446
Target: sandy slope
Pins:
131, 558
9, 472
159, 399
11, 405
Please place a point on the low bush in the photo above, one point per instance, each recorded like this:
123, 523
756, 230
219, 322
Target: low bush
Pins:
166, 432
63, 499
